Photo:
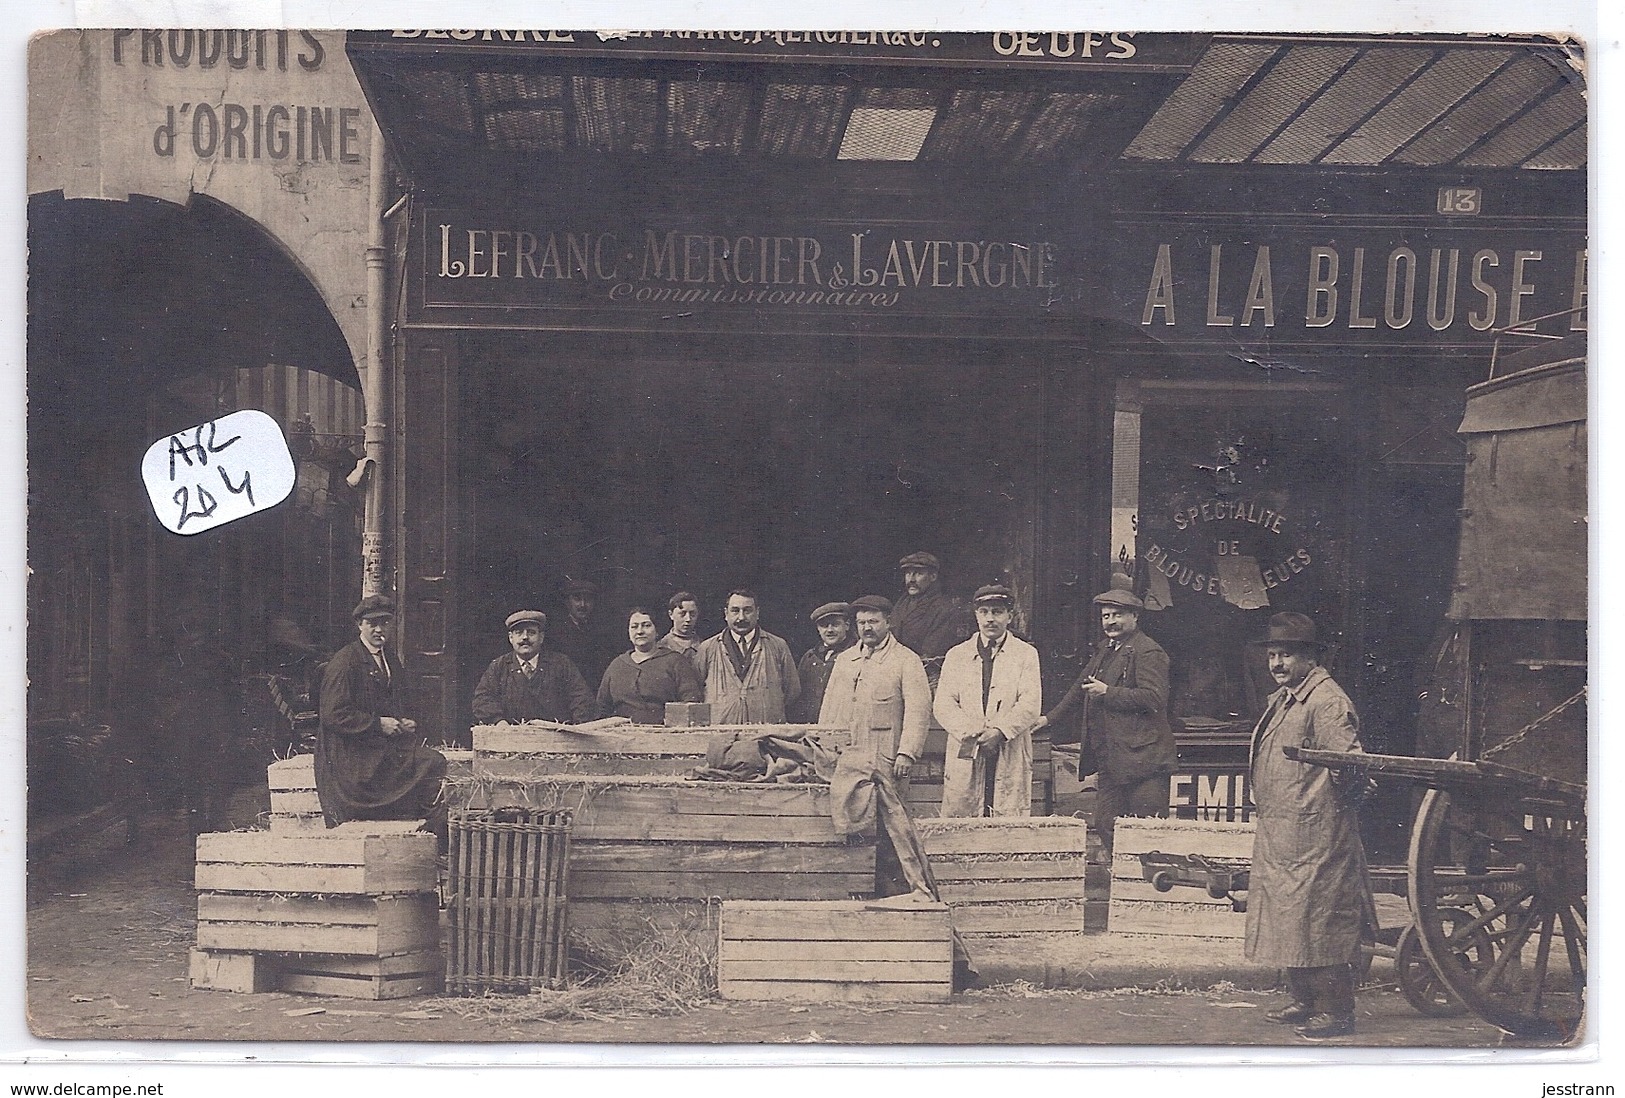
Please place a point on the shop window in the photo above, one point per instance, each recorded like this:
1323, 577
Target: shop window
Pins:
1230, 503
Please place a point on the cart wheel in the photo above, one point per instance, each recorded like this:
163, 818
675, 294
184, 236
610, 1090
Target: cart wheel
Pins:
1515, 866
1422, 987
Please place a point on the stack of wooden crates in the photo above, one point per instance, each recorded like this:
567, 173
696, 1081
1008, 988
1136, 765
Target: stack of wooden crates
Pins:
350, 911
1184, 912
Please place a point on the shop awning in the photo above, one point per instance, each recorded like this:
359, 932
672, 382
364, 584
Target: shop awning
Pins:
1006, 103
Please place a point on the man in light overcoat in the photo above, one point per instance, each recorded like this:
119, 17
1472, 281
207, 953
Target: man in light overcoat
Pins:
988, 699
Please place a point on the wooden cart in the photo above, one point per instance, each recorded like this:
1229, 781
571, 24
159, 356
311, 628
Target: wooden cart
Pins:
1497, 864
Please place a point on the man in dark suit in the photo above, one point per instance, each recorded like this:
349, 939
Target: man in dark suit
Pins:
370, 763
531, 683
1123, 696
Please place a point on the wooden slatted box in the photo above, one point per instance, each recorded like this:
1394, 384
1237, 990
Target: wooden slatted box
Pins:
295, 808
923, 792
835, 951
534, 752
1006, 876
371, 858
1182, 912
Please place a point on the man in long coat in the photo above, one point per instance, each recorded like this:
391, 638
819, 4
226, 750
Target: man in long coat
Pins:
1309, 888
988, 699
370, 763
532, 682
750, 676
1123, 696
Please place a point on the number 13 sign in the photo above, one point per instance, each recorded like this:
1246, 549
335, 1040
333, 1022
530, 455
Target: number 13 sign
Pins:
218, 472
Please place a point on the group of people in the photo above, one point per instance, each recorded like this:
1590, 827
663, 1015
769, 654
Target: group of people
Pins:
883, 670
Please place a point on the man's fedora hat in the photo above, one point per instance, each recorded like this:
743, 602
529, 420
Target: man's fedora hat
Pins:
1128, 600
1289, 628
520, 617
374, 606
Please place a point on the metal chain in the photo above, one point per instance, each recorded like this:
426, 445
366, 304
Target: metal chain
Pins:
1518, 737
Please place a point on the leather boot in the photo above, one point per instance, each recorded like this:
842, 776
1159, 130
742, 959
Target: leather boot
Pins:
1334, 995
1300, 988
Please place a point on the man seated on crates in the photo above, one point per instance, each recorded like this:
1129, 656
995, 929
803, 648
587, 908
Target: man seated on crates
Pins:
532, 683
370, 763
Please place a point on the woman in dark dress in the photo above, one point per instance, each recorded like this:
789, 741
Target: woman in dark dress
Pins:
639, 683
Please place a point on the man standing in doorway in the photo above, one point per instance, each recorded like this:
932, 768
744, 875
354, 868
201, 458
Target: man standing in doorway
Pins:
925, 620
370, 763
530, 683
684, 638
1309, 888
1122, 699
580, 635
750, 676
988, 699
834, 624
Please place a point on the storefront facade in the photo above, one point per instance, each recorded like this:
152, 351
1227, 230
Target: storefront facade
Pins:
667, 322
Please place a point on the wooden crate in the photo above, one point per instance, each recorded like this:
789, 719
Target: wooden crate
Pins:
352, 859
295, 808
523, 753
247, 973
615, 808
723, 871
1004, 876
394, 977
835, 951
372, 926
1183, 912
923, 795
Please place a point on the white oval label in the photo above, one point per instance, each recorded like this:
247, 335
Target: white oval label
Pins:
218, 472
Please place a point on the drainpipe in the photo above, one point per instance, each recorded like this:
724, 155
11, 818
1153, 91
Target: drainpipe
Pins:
373, 392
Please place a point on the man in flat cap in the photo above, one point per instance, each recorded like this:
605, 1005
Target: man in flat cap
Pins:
1309, 887
530, 682
750, 676
833, 620
370, 762
579, 634
988, 699
1122, 700
878, 690
925, 620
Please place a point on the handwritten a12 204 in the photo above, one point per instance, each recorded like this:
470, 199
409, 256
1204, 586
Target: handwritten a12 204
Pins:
218, 472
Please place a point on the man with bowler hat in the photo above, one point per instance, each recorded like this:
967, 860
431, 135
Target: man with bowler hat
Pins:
988, 699
833, 620
1309, 889
530, 682
370, 762
1122, 697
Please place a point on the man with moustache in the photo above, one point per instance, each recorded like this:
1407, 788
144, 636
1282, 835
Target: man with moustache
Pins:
834, 625
750, 676
580, 633
988, 699
878, 690
1122, 696
684, 638
925, 620
1308, 889
530, 683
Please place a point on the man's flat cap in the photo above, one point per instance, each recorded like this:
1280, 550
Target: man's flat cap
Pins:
872, 602
993, 592
1128, 600
520, 617
374, 606
830, 610
920, 560
579, 587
